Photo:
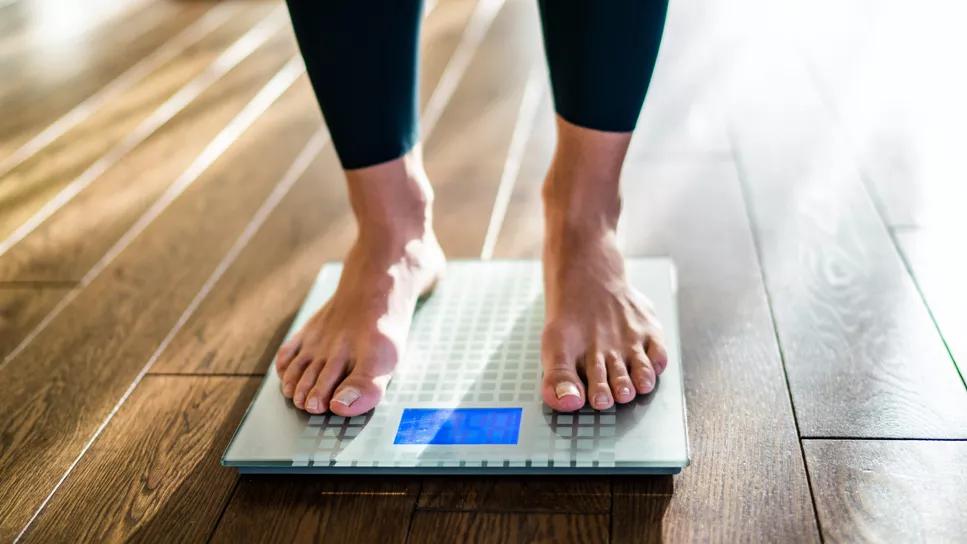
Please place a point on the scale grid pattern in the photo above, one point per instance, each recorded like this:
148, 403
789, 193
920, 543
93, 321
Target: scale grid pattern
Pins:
481, 331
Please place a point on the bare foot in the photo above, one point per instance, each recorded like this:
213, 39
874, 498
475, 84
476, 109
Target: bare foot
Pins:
601, 342
344, 357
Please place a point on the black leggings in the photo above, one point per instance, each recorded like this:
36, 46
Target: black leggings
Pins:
362, 58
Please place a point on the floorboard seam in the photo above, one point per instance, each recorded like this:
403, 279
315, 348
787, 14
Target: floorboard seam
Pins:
524, 125
878, 206
509, 511
611, 510
30, 284
134, 74
205, 375
883, 439
267, 96
908, 266
757, 246
413, 511
240, 50
235, 128
221, 514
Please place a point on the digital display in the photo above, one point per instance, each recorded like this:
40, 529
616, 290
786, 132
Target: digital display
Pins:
459, 426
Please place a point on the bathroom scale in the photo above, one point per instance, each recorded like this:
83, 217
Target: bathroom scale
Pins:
466, 398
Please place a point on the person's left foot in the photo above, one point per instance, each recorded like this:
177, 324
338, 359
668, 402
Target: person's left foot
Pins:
602, 341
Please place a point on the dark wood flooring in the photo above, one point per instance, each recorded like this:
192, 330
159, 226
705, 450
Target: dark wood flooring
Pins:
168, 193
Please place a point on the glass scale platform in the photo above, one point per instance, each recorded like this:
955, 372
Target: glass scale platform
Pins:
466, 397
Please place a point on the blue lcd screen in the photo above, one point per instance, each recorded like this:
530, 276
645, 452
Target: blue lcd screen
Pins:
459, 426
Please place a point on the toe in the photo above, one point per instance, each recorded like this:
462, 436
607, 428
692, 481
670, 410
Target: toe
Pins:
358, 394
642, 374
292, 374
305, 383
657, 353
561, 389
318, 398
599, 392
621, 388
286, 353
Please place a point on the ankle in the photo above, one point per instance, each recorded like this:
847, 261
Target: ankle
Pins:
392, 201
581, 191
578, 206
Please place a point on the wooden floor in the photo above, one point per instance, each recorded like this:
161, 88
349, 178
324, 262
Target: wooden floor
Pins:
168, 193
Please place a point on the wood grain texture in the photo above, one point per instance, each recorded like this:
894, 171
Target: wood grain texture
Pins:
314, 509
65, 382
639, 508
862, 354
154, 474
76, 68
742, 463
889, 490
21, 308
575, 494
241, 323
478, 527
70, 241
500, 99
939, 270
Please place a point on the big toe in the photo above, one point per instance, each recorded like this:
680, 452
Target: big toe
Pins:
358, 394
562, 390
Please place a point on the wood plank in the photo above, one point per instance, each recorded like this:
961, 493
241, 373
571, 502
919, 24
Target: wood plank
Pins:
889, 490
465, 155
639, 508
308, 194
66, 74
862, 355
563, 494
243, 320
452, 176
107, 136
313, 509
26, 24
241, 323
21, 308
939, 270
742, 462
62, 385
153, 478
507, 527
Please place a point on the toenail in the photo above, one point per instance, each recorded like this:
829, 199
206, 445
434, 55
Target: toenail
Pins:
624, 392
347, 396
647, 384
601, 399
313, 404
287, 389
566, 389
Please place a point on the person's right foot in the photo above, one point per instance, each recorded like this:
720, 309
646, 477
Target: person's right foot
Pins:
343, 358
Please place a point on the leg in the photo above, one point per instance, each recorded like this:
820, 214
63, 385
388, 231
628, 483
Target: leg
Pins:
601, 342
362, 59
